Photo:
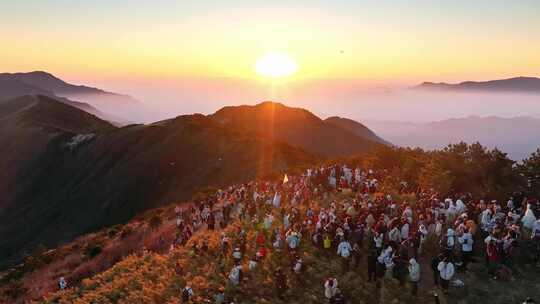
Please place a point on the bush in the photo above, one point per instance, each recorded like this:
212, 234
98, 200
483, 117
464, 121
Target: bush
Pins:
92, 250
112, 232
126, 232
15, 290
155, 222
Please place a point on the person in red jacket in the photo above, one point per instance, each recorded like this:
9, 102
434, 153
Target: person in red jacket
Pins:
494, 258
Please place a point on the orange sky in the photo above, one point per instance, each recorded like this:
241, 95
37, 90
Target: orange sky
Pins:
399, 41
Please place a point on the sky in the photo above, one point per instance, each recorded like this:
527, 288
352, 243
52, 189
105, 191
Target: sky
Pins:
155, 48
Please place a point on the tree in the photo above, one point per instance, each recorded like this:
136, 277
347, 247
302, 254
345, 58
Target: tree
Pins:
433, 176
530, 171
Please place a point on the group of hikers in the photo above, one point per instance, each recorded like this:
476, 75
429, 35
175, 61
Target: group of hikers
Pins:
391, 236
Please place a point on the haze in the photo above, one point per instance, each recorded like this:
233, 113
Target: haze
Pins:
355, 59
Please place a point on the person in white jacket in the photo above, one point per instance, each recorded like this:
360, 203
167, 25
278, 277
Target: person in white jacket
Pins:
414, 275
529, 218
330, 288
446, 272
466, 241
344, 251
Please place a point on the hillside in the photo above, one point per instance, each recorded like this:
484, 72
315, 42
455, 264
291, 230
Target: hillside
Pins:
49, 82
110, 106
297, 127
107, 174
152, 258
517, 85
11, 88
356, 128
28, 125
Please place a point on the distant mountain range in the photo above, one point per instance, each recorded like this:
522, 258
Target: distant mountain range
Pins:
67, 172
107, 105
517, 85
518, 136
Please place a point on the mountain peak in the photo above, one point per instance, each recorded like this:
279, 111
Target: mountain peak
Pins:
295, 126
48, 112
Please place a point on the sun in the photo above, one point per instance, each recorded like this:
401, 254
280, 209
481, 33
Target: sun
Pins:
276, 65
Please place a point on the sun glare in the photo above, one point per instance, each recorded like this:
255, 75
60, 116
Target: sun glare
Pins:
276, 65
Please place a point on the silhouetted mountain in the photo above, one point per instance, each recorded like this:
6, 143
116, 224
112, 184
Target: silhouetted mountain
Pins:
116, 107
517, 136
11, 88
49, 82
75, 173
356, 128
517, 84
296, 127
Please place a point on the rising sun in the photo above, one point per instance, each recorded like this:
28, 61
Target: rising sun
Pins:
276, 65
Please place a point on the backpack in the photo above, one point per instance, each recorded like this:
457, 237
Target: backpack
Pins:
327, 243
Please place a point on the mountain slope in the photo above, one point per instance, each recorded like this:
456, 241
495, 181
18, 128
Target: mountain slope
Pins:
517, 84
294, 126
28, 125
112, 106
49, 82
65, 190
11, 88
356, 128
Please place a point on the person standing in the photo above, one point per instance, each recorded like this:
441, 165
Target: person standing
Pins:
330, 288
372, 266
466, 241
434, 267
62, 284
446, 271
344, 251
187, 293
281, 282
414, 276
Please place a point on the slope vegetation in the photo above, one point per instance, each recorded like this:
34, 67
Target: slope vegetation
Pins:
75, 173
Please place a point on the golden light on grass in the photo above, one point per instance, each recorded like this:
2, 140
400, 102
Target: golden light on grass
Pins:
276, 65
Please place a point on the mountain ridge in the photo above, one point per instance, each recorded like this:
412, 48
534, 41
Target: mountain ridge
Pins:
117, 108
110, 174
521, 84
296, 126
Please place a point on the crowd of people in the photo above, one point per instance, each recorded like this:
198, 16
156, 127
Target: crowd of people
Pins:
368, 230
392, 234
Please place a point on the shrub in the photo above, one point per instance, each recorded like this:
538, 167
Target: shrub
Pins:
126, 232
112, 232
92, 250
155, 222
